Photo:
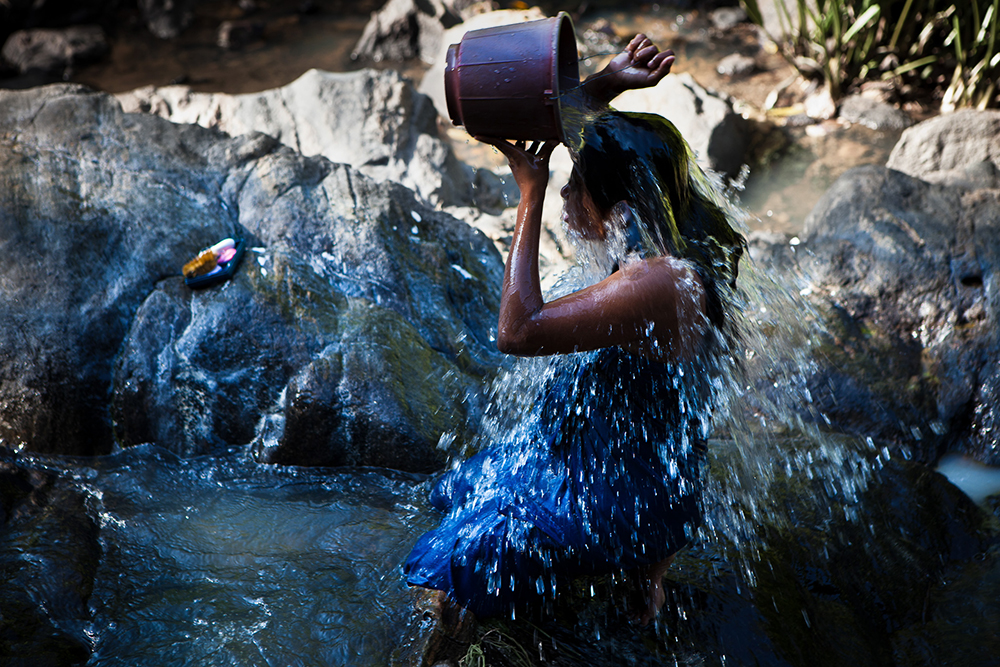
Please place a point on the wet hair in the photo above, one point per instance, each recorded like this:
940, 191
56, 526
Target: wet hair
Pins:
643, 160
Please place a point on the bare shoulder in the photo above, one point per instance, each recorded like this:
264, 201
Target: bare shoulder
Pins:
656, 273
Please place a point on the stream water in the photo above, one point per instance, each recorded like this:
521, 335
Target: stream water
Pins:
222, 561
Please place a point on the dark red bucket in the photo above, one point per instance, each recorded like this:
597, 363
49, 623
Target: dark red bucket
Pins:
507, 81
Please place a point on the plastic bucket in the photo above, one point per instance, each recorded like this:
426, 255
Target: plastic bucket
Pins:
508, 81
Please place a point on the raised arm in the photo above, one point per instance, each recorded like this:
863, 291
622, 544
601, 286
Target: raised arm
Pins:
640, 65
655, 305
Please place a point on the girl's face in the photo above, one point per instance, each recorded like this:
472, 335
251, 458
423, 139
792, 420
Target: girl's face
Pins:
580, 213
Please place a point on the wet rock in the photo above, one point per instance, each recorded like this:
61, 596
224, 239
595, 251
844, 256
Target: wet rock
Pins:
872, 113
49, 555
167, 18
405, 29
53, 51
343, 265
948, 142
906, 269
372, 120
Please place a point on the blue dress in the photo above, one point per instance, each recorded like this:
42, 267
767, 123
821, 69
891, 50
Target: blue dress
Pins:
601, 474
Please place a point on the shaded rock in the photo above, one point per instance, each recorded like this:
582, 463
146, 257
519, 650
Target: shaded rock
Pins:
872, 113
234, 35
54, 50
343, 265
372, 120
908, 269
597, 41
30, 14
718, 135
948, 142
405, 29
167, 18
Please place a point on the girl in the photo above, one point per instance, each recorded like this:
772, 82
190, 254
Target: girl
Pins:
601, 472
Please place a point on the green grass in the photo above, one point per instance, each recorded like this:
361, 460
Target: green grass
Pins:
947, 47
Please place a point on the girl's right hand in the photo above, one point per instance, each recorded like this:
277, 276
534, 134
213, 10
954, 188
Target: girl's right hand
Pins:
528, 164
640, 65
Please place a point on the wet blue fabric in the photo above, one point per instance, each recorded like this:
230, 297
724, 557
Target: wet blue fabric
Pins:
602, 474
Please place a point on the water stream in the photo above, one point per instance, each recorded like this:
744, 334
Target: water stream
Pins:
222, 561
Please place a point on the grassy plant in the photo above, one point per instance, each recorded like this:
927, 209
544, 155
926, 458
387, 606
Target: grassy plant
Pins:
949, 45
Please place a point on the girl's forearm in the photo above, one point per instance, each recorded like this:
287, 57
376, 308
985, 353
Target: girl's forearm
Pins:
521, 296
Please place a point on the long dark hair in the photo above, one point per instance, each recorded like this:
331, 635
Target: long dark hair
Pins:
643, 160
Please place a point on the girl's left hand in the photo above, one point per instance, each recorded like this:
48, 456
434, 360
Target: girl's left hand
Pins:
528, 163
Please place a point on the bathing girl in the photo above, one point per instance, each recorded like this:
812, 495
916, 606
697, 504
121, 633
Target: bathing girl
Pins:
603, 470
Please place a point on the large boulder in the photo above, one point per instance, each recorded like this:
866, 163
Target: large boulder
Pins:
372, 120
905, 272
354, 291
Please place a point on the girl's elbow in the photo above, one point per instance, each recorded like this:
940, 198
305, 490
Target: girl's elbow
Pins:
516, 341
509, 344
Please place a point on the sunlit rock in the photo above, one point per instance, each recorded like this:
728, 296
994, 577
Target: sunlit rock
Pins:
372, 120
949, 142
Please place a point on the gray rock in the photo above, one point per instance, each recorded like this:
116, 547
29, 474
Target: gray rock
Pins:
432, 84
101, 341
872, 113
776, 19
948, 142
167, 18
736, 64
406, 29
54, 50
908, 269
372, 120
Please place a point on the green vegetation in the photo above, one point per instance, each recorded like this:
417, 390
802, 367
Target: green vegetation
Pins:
947, 47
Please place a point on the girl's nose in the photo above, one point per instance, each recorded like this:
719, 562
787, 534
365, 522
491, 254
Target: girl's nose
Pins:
564, 191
